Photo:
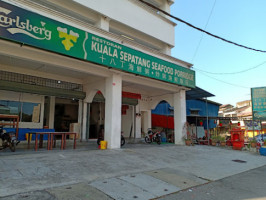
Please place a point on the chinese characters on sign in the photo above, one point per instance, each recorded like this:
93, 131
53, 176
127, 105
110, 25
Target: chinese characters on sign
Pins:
258, 97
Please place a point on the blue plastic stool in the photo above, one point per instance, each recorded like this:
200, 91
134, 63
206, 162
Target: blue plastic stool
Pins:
263, 151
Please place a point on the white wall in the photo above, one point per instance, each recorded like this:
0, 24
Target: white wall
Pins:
135, 16
127, 122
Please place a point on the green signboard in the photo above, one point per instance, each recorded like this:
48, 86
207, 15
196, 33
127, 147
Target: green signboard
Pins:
30, 28
258, 97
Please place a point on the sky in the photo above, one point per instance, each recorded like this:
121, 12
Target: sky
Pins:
240, 21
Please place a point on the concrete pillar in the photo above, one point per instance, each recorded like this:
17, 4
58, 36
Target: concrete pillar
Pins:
179, 115
103, 23
146, 120
149, 119
80, 116
84, 122
42, 111
113, 100
80, 112
137, 122
51, 112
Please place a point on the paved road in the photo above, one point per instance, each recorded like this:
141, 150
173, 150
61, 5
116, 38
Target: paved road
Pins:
247, 185
137, 171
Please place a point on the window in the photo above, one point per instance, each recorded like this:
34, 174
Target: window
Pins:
194, 112
27, 111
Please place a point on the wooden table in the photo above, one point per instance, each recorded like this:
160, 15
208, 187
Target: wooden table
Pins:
41, 139
75, 139
51, 139
63, 139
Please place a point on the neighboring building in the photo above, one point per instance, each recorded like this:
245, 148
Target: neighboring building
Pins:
242, 111
242, 115
87, 65
242, 104
227, 110
200, 112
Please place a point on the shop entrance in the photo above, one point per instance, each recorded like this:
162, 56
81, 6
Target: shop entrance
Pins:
66, 113
97, 115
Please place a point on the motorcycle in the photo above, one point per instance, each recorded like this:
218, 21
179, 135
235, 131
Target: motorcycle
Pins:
101, 138
8, 140
153, 137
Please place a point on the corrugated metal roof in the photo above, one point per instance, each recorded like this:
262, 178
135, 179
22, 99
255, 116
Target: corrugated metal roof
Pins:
197, 93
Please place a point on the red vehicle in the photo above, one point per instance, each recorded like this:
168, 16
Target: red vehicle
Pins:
153, 137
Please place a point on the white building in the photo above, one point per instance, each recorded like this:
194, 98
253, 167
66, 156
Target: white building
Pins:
82, 61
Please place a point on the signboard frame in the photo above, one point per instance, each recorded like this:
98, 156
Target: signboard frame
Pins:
258, 99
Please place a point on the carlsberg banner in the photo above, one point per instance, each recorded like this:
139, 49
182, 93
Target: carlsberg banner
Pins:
32, 29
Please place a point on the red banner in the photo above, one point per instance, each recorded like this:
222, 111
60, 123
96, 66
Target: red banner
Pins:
128, 95
131, 95
162, 121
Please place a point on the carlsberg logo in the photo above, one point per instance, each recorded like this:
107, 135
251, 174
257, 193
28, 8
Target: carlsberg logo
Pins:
15, 25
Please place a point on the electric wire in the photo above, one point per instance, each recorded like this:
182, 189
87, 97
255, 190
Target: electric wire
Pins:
231, 73
232, 84
196, 51
199, 29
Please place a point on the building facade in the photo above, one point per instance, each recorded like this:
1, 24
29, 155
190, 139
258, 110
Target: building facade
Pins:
241, 116
90, 66
201, 113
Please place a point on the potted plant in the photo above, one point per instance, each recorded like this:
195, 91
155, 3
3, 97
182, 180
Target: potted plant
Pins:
253, 143
222, 141
188, 141
187, 138
213, 140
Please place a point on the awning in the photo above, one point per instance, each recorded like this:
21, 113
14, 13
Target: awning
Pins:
36, 89
197, 93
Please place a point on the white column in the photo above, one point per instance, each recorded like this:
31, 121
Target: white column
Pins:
80, 116
51, 112
179, 115
84, 122
42, 111
80, 112
147, 120
137, 122
113, 100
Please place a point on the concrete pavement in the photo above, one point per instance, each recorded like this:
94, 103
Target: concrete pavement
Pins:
137, 171
247, 185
